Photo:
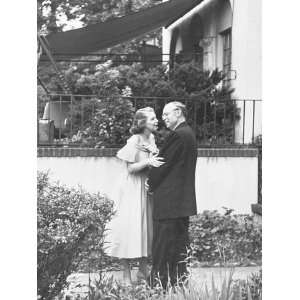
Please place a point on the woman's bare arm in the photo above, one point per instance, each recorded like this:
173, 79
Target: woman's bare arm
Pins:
154, 161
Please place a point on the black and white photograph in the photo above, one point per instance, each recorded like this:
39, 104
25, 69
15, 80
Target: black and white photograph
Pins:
132, 163
132, 160
149, 149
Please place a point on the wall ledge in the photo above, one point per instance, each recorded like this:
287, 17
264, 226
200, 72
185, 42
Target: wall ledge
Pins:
110, 152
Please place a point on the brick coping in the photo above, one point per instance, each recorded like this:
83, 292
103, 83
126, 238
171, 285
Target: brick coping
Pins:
110, 152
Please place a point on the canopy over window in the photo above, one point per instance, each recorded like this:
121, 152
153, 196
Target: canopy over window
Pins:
113, 32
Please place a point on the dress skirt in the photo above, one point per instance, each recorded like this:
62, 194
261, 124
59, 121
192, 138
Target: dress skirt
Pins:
130, 232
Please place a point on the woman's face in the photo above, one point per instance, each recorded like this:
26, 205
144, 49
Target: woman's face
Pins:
152, 122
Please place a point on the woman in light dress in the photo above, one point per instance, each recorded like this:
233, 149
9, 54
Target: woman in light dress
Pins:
130, 231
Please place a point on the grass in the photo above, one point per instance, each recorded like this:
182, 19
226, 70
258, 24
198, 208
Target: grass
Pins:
106, 288
225, 288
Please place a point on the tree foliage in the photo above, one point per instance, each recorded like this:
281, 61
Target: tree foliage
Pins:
107, 116
57, 15
54, 15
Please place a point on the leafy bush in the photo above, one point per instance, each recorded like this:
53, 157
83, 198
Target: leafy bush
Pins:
109, 125
209, 112
71, 225
225, 238
211, 116
215, 240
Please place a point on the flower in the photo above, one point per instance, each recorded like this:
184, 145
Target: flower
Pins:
127, 92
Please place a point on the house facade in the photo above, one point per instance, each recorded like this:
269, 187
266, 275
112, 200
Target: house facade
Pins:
225, 34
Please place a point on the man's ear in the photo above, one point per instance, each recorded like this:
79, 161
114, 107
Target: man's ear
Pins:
176, 112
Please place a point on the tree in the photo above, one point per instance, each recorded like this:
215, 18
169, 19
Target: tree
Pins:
108, 115
54, 15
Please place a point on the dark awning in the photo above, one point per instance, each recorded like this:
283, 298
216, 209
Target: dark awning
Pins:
113, 32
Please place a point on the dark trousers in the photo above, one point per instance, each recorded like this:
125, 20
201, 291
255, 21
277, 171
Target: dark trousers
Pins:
169, 249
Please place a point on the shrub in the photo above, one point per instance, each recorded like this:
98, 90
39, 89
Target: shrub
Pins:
71, 225
215, 240
109, 125
211, 116
224, 238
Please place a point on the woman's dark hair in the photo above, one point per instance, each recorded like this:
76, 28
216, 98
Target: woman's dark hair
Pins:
140, 120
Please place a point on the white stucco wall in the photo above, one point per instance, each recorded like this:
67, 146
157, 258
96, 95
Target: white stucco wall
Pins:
246, 60
226, 181
220, 181
166, 41
245, 17
246, 48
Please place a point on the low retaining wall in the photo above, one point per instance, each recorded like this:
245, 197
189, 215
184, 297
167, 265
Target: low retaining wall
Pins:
224, 177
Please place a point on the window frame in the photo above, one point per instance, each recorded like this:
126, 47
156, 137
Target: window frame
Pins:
226, 36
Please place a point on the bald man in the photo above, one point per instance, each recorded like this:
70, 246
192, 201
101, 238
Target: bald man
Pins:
174, 199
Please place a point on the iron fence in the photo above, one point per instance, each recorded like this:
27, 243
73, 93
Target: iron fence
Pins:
139, 56
90, 120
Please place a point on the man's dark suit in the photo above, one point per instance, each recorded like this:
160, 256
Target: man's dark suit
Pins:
174, 200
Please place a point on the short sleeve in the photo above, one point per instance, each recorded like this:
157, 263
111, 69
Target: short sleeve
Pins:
129, 151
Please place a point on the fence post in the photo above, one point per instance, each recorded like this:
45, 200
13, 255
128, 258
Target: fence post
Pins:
253, 117
244, 108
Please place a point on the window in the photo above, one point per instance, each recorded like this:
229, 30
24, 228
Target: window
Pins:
198, 55
226, 39
206, 44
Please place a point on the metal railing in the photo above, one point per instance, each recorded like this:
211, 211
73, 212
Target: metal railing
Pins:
136, 57
64, 119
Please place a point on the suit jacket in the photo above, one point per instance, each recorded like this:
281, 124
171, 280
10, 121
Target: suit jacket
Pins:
173, 184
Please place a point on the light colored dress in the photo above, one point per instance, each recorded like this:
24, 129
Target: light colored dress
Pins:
129, 233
